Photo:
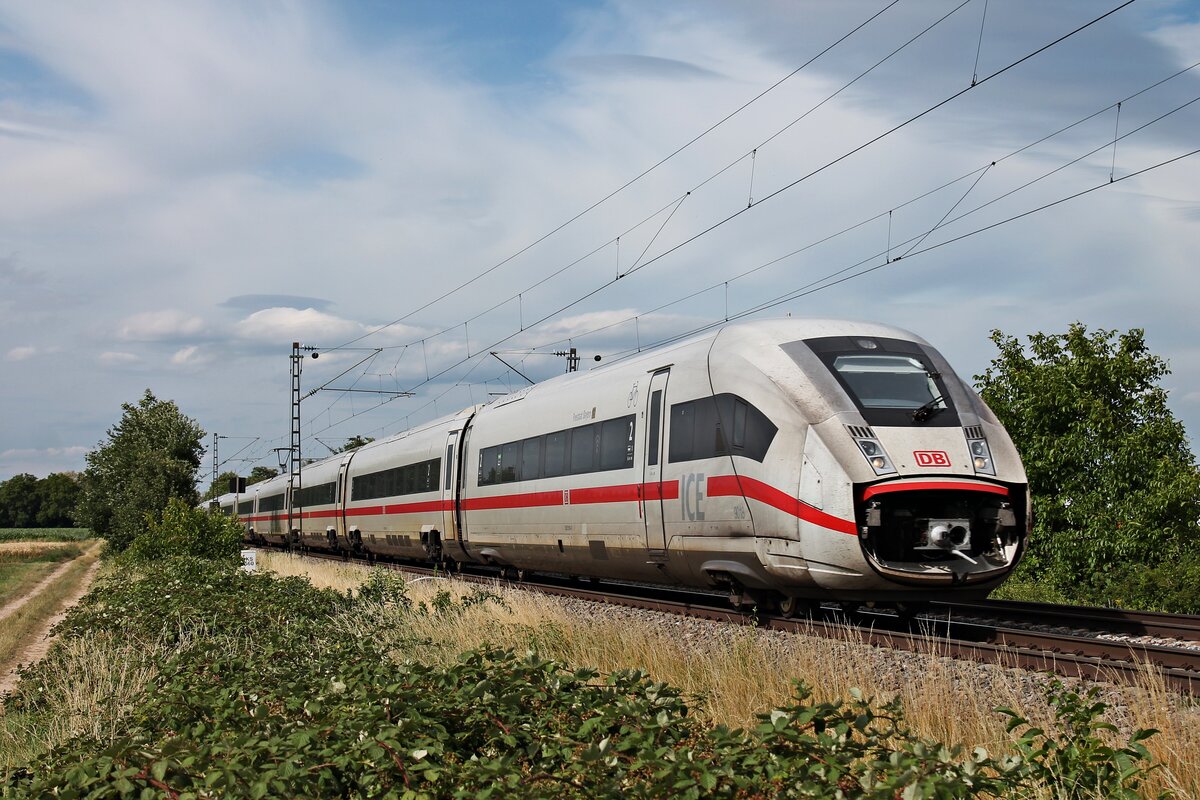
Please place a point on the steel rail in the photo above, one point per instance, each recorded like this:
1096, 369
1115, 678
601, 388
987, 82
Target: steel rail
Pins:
1110, 620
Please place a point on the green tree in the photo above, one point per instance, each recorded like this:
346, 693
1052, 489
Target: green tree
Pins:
59, 493
151, 455
20, 500
220, 486
355, 442
1114, 483
259, 474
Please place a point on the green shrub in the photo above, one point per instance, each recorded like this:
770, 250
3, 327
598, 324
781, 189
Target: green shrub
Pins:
187, 531
262, 692
1080, 764
1172, 586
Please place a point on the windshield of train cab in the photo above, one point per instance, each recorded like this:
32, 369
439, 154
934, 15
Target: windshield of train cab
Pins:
891, 381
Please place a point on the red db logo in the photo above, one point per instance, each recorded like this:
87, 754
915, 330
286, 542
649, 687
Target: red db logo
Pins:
931, 458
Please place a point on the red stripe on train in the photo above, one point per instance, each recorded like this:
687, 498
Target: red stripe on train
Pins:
752, 489
918, 486
719, 486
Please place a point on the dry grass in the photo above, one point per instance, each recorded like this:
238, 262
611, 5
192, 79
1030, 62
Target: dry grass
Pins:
340, 575
736, 672
27, 621
95, 681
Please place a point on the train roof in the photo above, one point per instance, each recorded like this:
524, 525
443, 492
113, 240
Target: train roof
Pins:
764, 331
777, 330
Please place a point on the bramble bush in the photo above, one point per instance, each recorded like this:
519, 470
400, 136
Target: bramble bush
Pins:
263, 694
186, 531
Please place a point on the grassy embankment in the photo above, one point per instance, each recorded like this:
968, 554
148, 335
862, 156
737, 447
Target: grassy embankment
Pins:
156, 652
738, 672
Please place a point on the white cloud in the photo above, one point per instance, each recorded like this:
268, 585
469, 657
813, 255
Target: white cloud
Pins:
283, 325
190, 356
41, 461
157, 326
21, 353
118, 359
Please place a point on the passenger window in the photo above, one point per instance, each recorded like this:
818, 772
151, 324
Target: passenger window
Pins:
489, 466
616, 443
510, 460
717, 426
531, 459
683, 431
555, 463
583, 449
655, 428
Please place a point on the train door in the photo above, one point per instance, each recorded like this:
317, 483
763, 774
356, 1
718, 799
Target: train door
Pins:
343, 497
449, 489
656, 414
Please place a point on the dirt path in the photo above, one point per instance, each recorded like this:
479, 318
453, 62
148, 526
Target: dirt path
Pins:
41, 641
9, 609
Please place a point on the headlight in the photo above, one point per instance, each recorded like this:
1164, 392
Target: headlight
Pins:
981, 455
875, 455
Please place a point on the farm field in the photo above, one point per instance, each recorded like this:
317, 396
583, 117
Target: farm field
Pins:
44, 535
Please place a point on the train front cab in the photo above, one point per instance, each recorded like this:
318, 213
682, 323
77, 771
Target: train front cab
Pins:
939, 496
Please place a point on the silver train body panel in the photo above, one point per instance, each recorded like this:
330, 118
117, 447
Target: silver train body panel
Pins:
813, 458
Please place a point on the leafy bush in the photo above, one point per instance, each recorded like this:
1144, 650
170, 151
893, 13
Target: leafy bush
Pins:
186, 531
1171, 586
183, 596
263, 693
1081, 764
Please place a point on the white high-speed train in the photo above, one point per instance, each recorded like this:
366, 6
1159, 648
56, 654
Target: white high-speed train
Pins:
787, 460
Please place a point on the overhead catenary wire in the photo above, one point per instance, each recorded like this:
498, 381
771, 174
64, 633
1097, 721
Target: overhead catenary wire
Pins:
787, 187
822, 284
978, 171
431, 377
631, 181
808, 289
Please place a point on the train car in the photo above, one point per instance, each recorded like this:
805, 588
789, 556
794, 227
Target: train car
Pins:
269, 521
225, 504
400, 491
809, 459
314, 506
788, 461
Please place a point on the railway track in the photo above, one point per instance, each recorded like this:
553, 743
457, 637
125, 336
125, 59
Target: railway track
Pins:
988, 631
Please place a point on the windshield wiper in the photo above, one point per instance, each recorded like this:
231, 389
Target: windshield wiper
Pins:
928, 410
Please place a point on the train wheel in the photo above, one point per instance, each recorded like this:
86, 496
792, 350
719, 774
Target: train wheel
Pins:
522, 575
792, 607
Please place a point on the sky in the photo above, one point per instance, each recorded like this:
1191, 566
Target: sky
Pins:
188, 188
